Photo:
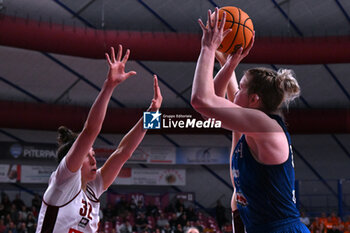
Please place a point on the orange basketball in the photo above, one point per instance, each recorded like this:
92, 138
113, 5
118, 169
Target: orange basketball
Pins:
242, 29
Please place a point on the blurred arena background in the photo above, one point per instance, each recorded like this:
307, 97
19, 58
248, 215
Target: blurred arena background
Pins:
52, 66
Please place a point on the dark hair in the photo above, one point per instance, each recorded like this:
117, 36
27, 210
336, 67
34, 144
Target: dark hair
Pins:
65, 140
274, 88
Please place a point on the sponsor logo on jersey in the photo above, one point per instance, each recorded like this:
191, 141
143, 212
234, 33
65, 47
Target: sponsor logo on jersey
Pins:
83, 222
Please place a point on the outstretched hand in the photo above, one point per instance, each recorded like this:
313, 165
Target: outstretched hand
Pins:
213, 34
116, 73
157, 96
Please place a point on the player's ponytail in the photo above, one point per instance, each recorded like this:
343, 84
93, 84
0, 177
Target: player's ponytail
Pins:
274, 88
286, 81
65, 140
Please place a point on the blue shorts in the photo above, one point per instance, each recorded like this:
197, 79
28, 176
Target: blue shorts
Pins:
284, 226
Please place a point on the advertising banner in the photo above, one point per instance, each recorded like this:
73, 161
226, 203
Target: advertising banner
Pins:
36, 174
27, 151
150, 155
202, 155
10, 173
147, 176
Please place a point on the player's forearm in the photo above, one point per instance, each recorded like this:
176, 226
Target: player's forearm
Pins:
203, 86
224, 78
232, 88
98, 110
132, 139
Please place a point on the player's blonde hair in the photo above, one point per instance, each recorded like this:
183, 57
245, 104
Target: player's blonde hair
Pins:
274, 88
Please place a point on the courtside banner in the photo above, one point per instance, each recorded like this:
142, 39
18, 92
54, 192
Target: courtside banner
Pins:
202, 155
10, 173
151, 154
27, 151
149, 176
36, 174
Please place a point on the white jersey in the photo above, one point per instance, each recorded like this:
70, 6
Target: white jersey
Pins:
66, 208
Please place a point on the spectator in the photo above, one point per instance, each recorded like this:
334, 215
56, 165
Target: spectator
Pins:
173, 221
180, 211
347, 229
14, 213
220, 214
36, 201
125, 228
141, 222
187, 227
8, 219
304, 219
22, 228
182, 220
18, 202
122, 207
35, 212
323, 218
346, 222
140, 208
334, 218
3, 212
167, 229
147, 229
22, 214
2, 226
11, 228
108, 213
162, 221
179, 204
6, 202
191, 214
152, 209
30, 222
334, 229
199, 226
178, 229
329, 224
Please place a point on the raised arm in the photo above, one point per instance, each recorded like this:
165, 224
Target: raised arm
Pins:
204, 99
93, 123
129, 143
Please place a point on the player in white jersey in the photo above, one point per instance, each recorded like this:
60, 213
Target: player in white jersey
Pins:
70, 203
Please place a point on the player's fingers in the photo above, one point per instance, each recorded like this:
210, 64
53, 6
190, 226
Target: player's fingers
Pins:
120, 51
126, 56
223, 21
130, 73
210, 20
112, 54
108, 59
216, 18
202, 25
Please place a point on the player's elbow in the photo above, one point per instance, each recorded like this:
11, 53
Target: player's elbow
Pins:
197, 102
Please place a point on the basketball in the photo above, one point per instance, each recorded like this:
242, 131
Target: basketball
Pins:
242, 29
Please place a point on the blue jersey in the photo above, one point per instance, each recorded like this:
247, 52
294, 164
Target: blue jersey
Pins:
265, 193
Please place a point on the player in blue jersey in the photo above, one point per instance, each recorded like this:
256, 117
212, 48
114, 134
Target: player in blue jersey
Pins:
262, 161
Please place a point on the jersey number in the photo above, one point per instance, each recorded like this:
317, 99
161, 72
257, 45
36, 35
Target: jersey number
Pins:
84, 210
